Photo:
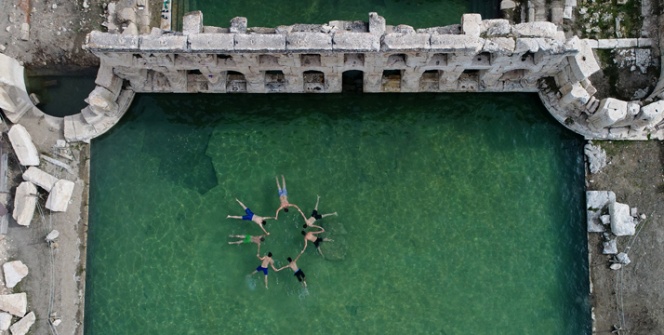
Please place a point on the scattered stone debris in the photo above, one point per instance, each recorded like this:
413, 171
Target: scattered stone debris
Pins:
21, 327
15, 304
610, 247
596, 157
14, 272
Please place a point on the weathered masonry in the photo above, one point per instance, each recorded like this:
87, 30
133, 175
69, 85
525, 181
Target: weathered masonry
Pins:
474, 56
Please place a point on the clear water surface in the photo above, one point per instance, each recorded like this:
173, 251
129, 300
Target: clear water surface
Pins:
61, 95
458, 214
260, 13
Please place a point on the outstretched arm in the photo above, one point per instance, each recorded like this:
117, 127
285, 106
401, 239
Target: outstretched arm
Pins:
318, 232
265, 231
241, 204
303, 249
273, 268
298, 257
233, 217
303, 216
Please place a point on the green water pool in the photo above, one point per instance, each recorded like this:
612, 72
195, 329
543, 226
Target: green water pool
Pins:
458, 214
260, 13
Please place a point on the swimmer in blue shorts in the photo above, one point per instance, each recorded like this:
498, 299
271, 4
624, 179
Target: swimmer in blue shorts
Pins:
250, 216
266, 260
283, 197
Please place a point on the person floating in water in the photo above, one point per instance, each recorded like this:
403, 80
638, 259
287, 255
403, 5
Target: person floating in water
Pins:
250, 216
283, 197
266, 260
311, 236
248, 239
314, 216
299, 274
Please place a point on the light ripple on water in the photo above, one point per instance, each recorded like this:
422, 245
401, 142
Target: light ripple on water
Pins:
442, 226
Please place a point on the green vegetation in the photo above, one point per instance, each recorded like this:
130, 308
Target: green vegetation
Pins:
613, 148
597, 19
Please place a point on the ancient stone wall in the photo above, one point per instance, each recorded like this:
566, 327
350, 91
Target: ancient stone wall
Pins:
473, 56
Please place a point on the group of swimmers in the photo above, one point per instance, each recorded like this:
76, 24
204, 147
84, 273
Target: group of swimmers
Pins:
311, 236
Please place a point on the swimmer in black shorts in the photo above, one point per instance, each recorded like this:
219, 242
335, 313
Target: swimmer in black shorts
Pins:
315, 216
311, 236
299, 274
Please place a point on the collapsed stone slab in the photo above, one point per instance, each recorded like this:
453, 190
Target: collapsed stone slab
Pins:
23, 326
622, 223
15, 304
5, 321
14, 272
58, 199
39, 178
25, 202
23, 147
596, 202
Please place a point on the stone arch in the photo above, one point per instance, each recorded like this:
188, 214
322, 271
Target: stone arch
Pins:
397, 60
352, 81
430, 81
391, 80
236, 82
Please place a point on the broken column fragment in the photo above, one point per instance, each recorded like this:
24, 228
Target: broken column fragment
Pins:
23, 147
14, 272
15, 304
58, 199
40, 178
25, 202
622, 223
21, 327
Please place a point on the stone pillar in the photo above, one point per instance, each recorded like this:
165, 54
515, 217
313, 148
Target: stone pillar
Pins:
333, 81
410, 80
609, 112
192, 23
649, 116
376, 24
575, 95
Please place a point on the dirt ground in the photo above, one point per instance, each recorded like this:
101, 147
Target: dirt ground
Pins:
57, 32
631, 299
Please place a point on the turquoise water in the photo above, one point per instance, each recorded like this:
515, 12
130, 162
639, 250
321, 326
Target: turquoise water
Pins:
458, 214
260, 13
61, 95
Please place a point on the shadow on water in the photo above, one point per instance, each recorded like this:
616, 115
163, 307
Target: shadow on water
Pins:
61, 95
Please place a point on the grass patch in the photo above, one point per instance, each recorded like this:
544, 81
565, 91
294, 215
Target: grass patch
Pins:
614, 148
599, 19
